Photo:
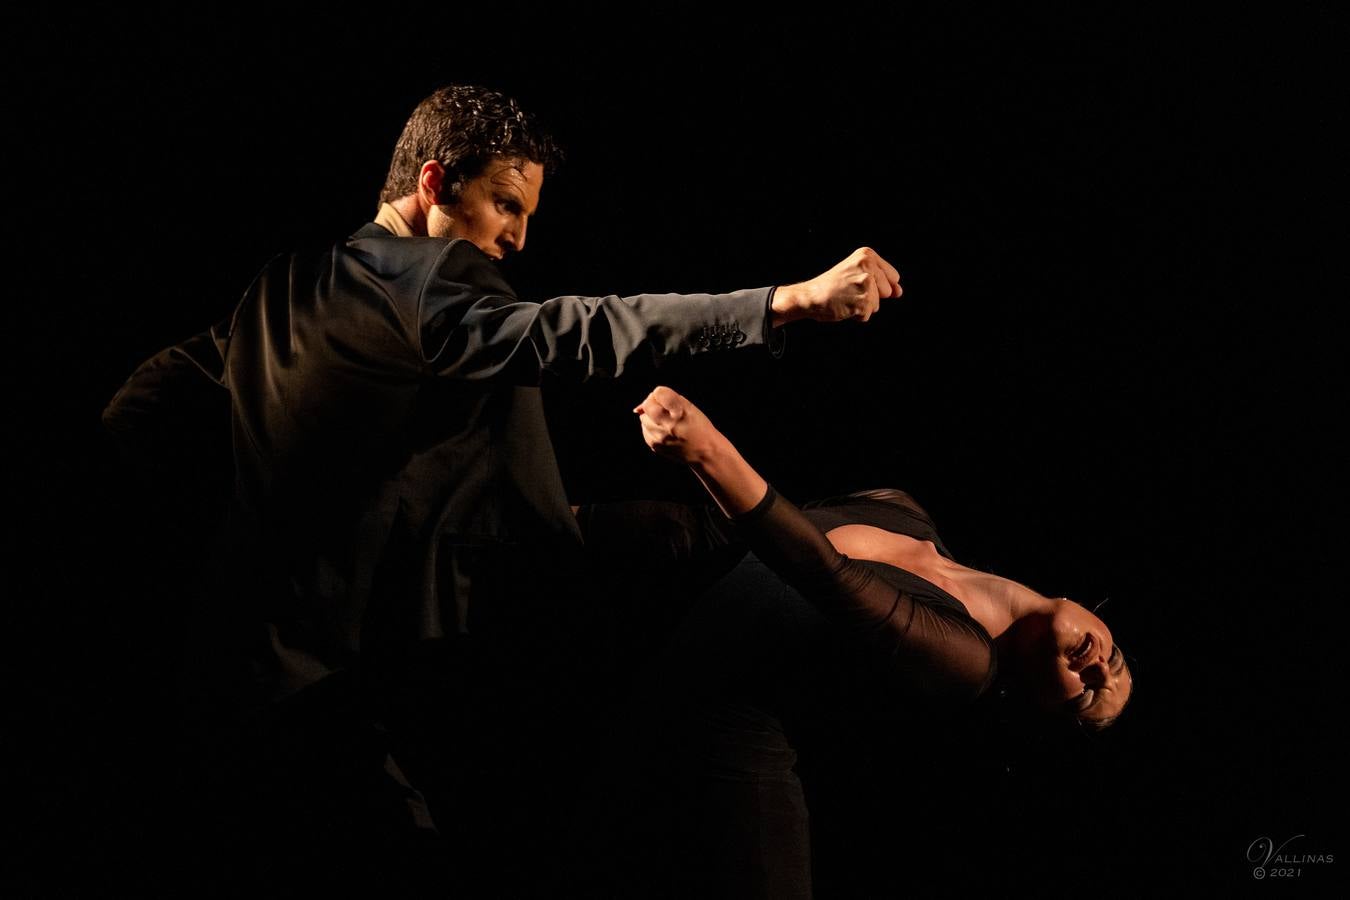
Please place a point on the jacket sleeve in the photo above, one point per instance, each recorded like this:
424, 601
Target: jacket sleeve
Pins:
929, 648
471, 326
175, 398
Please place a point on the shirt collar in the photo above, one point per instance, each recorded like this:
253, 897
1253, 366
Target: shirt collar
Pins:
389, 219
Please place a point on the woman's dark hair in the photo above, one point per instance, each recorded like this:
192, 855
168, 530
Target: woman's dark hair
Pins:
464, 127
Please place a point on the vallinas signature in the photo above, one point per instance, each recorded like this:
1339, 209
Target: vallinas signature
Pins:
1263, 851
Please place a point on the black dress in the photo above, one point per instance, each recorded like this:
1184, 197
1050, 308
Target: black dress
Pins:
794, 635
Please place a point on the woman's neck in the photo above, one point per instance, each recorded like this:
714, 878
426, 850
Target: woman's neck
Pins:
996, 602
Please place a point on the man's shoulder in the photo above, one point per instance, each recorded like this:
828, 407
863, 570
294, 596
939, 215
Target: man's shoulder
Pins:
378, 243
424, 261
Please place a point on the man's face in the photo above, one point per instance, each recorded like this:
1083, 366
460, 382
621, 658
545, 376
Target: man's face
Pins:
494, 209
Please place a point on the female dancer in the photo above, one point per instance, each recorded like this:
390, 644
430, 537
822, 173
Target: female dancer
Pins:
1059, 652
877, 616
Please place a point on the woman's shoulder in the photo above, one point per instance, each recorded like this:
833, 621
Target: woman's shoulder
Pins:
887, 508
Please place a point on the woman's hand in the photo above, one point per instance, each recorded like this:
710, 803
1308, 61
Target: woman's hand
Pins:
678, 430
675, 428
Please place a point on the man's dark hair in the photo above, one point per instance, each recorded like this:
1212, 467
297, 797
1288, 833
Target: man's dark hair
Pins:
464, 127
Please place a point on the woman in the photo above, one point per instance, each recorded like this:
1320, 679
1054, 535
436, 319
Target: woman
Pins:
881, 619
1060, 653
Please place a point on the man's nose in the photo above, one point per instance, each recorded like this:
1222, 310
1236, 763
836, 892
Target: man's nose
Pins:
514, 237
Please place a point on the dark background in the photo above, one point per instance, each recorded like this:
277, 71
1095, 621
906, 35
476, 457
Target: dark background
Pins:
1112, 373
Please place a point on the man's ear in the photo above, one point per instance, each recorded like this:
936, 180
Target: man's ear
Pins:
430, 180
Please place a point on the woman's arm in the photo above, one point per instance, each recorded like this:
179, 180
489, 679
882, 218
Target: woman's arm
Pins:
678, 430
936, 650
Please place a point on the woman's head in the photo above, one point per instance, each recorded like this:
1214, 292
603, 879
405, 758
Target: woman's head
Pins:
1065, 660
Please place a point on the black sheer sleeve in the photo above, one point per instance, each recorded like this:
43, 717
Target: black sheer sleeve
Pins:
931, 648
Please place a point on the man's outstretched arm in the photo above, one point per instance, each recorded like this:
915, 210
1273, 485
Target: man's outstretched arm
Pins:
473, 327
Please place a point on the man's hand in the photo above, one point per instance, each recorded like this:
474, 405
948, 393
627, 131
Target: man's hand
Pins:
853, 289
677, 429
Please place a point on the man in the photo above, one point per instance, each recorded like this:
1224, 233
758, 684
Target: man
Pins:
395, 486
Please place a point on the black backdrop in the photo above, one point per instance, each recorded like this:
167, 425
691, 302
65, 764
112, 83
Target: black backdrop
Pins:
1111, 374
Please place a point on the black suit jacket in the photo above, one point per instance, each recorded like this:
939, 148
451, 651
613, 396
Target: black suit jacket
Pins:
394, 478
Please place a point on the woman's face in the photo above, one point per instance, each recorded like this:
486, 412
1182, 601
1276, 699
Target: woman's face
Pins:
1074, 664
